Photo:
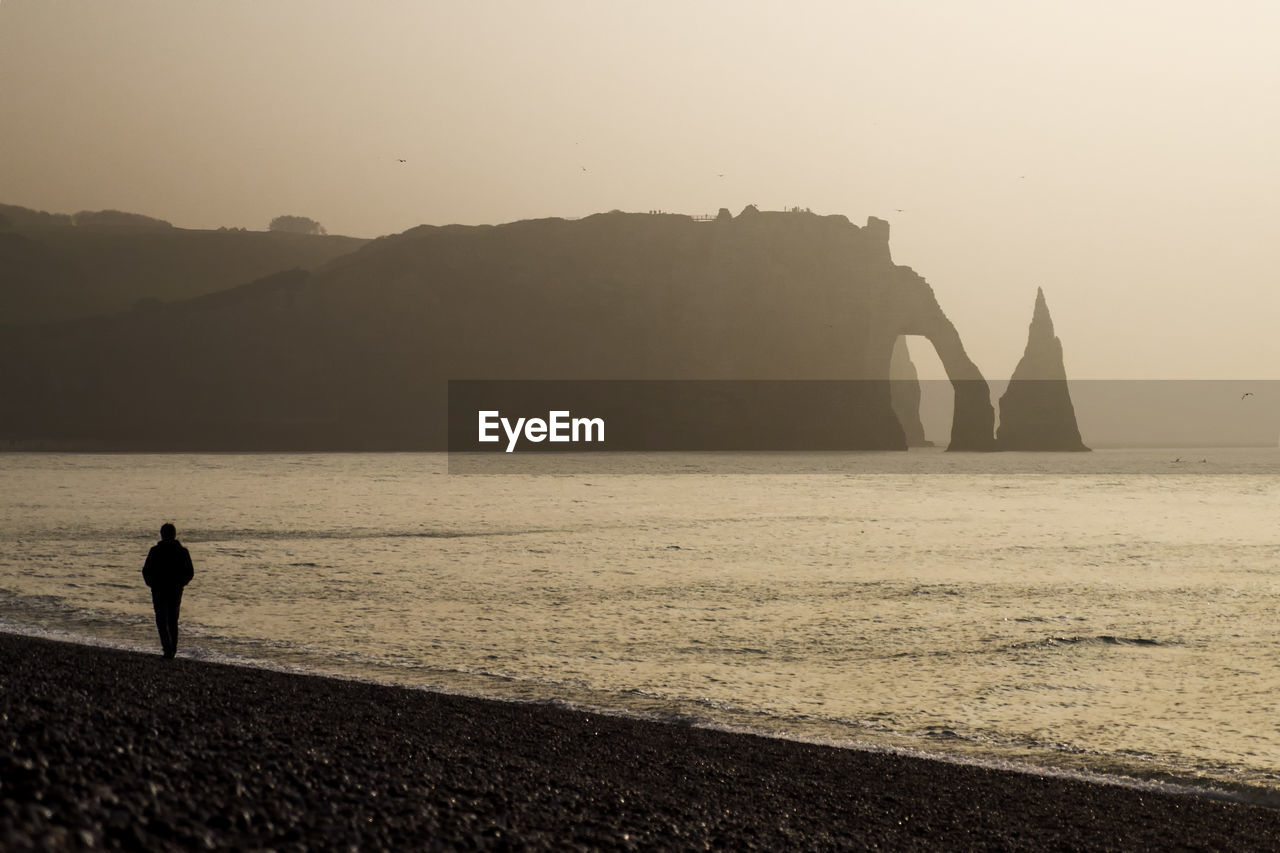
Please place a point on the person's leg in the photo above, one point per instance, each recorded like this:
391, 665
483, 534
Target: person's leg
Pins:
175, 604
161, 604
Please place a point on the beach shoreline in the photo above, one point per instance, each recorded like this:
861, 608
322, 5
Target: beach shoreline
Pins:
109, 748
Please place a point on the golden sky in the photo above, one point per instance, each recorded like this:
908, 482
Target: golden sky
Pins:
1124, 156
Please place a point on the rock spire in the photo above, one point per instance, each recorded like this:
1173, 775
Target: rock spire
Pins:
1036, 411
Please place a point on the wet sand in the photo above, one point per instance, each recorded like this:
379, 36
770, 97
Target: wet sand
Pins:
106, 748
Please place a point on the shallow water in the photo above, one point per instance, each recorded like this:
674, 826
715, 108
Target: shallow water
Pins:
1114, 615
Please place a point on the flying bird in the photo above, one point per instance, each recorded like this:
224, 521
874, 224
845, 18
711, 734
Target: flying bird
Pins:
401, 160
1246, 394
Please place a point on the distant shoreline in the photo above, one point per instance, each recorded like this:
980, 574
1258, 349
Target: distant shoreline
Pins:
115, 747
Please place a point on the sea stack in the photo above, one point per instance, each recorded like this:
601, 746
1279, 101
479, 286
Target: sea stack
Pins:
904, 394
1036, 411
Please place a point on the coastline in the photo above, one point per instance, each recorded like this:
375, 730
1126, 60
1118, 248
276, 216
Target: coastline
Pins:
115, 748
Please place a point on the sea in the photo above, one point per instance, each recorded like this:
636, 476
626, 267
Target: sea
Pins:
1110, 616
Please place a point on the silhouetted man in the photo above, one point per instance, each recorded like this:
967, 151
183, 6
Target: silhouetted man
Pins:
167, 570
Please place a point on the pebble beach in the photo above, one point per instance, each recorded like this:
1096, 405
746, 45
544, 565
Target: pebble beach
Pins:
116, 749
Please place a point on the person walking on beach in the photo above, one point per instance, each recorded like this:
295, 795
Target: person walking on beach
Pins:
168, 569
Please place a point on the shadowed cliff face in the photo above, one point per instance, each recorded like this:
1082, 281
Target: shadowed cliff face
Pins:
52, 272
1036, 411
904, 390
357, 355
973, 419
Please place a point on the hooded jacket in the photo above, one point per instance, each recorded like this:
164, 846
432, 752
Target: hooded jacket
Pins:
168, 566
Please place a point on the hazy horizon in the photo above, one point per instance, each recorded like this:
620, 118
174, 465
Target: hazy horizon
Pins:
1117, 155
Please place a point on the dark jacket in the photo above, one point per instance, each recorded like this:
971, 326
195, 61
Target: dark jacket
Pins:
168, 565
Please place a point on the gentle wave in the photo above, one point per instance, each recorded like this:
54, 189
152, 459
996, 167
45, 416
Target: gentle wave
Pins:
1099, 639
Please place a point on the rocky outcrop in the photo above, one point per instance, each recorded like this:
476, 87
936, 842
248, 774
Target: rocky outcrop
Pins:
358, 355
973, 417
904, 390
1036, 411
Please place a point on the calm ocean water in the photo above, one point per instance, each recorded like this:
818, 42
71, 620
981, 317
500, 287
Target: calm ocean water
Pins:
1110, 613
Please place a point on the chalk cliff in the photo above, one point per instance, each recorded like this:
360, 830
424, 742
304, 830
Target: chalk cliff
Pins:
1036, 411
357, 355
904, 389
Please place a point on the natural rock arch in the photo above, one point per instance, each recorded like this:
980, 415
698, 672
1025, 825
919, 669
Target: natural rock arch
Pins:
918, 313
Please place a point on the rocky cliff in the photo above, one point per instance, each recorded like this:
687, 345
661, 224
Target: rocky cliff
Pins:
904, 390
1036, 411
357, 355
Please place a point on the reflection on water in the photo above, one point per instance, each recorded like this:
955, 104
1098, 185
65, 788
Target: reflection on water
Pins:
1115, 621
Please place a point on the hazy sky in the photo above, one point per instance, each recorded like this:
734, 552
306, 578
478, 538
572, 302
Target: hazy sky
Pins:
1125, 156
